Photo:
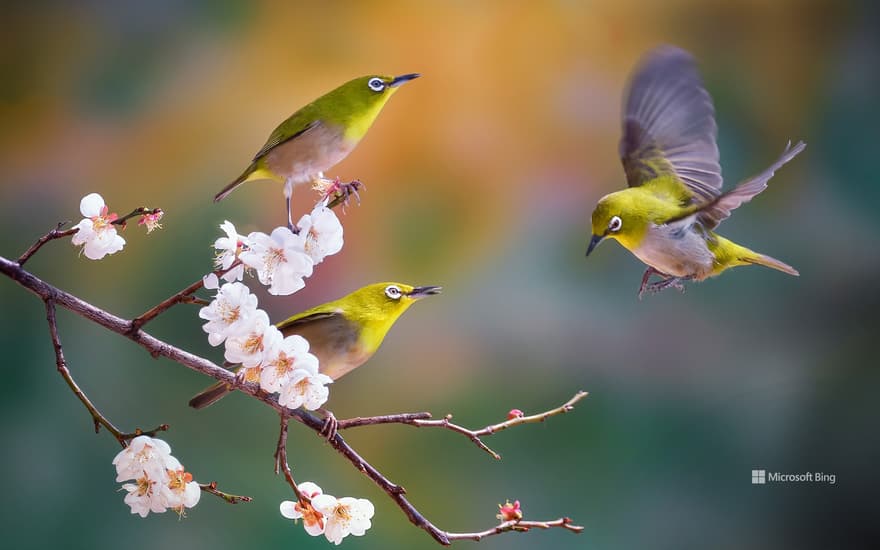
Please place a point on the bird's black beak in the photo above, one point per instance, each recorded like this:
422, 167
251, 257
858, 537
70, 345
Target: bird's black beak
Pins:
593, 242
403, 79
422, 291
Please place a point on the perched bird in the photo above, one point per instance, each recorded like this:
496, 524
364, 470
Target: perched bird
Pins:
344, 333
318, 136
667, 216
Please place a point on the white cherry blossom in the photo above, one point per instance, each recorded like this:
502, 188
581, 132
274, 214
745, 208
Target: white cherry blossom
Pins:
181, 491
313, 521
344, 516
280, 260
323, 233
305, 388
284, 358
249, 348
229, 314
145, 495
143, 453
228, 248
96, 234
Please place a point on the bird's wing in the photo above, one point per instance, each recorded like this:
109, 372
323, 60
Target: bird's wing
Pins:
334, 339
310, 316
295, 126
718, 210
669, 129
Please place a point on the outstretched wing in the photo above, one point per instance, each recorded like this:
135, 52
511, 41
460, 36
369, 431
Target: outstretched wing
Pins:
718, 210
669, 127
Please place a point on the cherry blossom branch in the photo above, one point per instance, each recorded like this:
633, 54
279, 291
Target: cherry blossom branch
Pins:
211, 488
516, 525
159, 348
140, 211
423, 419
56, 233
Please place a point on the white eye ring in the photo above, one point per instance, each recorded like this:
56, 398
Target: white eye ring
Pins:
393, 292
376, 84
615, 224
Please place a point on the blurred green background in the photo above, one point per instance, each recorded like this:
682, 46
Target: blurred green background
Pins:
480, 177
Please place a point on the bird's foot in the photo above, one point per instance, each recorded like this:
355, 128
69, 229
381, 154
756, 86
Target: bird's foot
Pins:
671, 282
331, 425
646, 277
337, 193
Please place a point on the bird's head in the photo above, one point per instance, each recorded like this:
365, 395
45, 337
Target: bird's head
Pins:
384, 302
618, 216
358, 102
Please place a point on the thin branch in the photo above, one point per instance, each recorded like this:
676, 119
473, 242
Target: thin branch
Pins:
517, 525
56, 233
159, 348
423, 420
211, 488
97, 418
182, 297
403, 418
140, 211
281, 463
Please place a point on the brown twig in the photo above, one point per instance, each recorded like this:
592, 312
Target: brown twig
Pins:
140, 211
159, 348
423, 419
182, 297
56, 233
517, 525
281, 463
211, 488
97, 417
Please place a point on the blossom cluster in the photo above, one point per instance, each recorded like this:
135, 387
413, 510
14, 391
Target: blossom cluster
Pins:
279, 364
281, 259
335, 518
96, 233
160, 481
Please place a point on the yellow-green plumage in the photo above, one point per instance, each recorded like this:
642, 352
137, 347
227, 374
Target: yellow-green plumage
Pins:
674, 202
319, 135
345, 333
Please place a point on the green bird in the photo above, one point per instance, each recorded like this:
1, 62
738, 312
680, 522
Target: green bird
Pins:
674, 202
318, 136
342, 334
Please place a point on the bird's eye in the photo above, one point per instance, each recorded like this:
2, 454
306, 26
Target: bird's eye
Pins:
615, 224
376, 84
393, 292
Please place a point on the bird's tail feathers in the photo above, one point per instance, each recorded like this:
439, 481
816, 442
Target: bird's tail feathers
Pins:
253, 172
210, 395
773, 263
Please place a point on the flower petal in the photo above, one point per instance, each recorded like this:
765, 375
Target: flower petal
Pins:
91, 205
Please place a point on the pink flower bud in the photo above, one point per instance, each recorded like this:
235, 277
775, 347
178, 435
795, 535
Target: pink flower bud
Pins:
509, 512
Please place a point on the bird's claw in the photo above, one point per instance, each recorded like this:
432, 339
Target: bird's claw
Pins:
659, 286
331, 426
338, 193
